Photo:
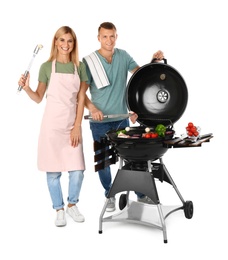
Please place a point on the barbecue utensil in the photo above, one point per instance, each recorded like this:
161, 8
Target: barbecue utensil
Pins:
110, 116
35, 52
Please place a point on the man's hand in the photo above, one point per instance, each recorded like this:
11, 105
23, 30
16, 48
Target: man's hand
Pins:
158, 55
97, 115
133, 117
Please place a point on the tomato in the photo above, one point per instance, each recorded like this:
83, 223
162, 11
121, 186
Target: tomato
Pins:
190, 133
147, 135
196, 133
190, 124
193, 129
154, 135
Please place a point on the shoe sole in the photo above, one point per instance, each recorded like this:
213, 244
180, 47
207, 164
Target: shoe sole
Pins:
110, 210
145, 202
61, 225
82, 220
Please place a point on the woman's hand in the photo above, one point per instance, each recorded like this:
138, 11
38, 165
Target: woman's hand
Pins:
24, 82
76, 136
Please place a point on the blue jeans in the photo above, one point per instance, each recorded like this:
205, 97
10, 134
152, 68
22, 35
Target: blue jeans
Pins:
54, 186
98, 131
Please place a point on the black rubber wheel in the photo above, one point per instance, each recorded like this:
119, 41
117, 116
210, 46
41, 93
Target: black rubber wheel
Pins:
122, 201
188, 209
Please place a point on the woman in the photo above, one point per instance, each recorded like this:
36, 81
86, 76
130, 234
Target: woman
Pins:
60, 148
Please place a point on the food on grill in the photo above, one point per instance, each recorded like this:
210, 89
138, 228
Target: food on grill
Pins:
147, 135
123, 135
147, 129
154, 135
160, 129
121, 132
150, 135
137, 133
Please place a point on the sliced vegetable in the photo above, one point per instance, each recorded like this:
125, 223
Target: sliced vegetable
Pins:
121, 131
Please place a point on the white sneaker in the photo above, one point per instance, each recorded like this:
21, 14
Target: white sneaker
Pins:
111, 206
146, 200
60, 218
75, 214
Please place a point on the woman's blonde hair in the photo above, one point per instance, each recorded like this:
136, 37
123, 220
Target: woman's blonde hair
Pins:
74, 54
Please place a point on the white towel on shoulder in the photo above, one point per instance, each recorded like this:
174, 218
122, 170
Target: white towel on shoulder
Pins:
97, 70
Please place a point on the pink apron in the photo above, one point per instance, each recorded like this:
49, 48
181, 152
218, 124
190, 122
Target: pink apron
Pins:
55, 153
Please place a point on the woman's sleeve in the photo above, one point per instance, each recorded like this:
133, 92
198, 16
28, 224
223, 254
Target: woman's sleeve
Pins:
82, 72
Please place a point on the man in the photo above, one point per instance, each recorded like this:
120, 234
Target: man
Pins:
107, 70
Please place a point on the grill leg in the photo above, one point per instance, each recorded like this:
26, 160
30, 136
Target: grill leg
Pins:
162, 223
101, 216
149, 163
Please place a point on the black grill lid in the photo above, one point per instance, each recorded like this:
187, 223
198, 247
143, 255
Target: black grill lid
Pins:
157, 93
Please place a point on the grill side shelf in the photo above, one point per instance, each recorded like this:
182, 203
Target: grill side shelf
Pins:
104, 155
179, 142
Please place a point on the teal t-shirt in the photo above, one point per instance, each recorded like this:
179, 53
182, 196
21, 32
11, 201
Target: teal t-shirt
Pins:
46, 67
112, 99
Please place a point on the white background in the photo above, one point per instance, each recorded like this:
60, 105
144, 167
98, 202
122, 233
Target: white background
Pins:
193, 36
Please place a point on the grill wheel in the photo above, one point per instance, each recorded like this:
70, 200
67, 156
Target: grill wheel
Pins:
122, 201
188, 209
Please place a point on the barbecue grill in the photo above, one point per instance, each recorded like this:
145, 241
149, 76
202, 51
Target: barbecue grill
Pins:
158, 94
